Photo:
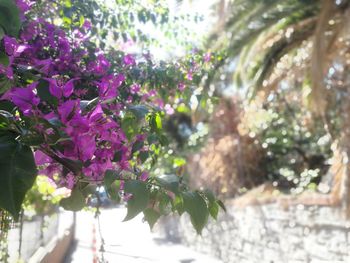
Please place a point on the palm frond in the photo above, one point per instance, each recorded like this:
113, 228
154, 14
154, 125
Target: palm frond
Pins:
260, 22
283, 46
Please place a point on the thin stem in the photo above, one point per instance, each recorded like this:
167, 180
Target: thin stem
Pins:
60, 160
20, 233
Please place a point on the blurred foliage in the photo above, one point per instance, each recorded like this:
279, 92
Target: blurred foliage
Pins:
229, 163
286, 62
297, 148
43, 197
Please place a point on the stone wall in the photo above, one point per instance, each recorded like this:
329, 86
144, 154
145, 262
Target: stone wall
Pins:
271, 233
261, 226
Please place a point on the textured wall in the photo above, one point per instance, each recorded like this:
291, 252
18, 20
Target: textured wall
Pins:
270, 233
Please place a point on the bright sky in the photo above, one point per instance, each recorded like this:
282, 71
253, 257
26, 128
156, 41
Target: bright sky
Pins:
198, 30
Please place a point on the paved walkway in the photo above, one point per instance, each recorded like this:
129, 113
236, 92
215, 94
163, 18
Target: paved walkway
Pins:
127, 242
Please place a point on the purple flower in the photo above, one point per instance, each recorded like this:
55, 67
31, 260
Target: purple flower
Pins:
43, 65
30, 31
64, 46
135, 88
86, 146
58, 89
96, 114
124, 165
12, 48
41, 158
189, 75
87, 24
168, 109
207, 57
181, 86
144, 176
67, 110
10, 45
68, 88
97, 168
119, 79
8, 71
122, 184
24, 6
129, 60
70, 180
51, 170
109, 85
100, 66
69, 150
77, 125
104, 153
159, 102
24, 98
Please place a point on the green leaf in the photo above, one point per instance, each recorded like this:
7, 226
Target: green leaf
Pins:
81, 20
165, 203
140, 111
117, 156
87, 188
6, 115
56, 134
178, 162
137, 146
76, 164
5, 85
143, 156
139, 200
214, 210
32, 139
178, 204
163, 140
212, 204
169, 182
130, 126
110, 177
209, 195
5, 118
113, 191
151, 217
18, 173
67, 21
155, 122
9, 17
6, 105
158, 121
221, 204
2, 33
68, 3
44, 93
152, 138
197, 208
75, 202
4, 59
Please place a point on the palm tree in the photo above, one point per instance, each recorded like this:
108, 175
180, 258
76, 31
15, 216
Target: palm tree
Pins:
260, 33
306, 42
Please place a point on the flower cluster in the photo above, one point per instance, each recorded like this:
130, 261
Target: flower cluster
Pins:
87, 117
73, 99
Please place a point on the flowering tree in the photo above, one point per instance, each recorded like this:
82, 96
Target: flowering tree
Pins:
85, 117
